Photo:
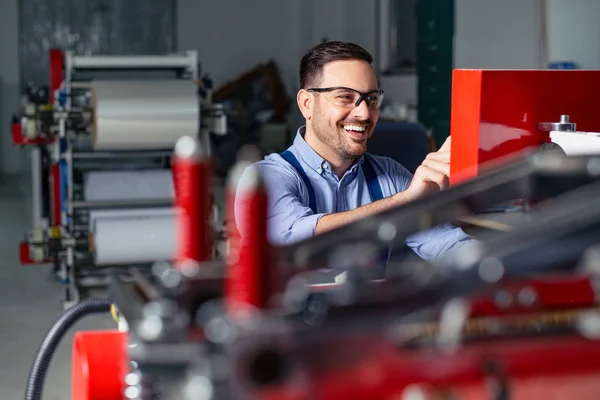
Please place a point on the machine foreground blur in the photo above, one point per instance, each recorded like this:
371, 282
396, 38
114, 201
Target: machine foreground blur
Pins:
514, 316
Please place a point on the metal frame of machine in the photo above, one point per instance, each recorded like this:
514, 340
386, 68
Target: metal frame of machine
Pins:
49, 131
245, 330
512, 317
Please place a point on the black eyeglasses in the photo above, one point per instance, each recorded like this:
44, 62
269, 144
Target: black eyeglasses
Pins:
349, 98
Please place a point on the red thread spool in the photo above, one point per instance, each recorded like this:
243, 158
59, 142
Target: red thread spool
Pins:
249, 278
192, 174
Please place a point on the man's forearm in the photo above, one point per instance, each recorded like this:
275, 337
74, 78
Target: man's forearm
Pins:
333, 221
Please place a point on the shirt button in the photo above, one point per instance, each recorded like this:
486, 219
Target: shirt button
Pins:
325, 166
354, 169
319, 170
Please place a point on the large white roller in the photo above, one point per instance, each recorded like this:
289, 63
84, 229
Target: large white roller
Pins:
129, 213
142, 115
129, 185
142, 239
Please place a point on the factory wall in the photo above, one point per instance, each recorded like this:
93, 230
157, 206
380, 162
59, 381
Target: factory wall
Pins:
11, 159
489, 34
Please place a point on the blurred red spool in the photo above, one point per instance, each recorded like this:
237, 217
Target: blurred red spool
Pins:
192, 177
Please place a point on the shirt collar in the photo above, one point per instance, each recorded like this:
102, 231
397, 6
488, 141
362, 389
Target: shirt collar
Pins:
311, 157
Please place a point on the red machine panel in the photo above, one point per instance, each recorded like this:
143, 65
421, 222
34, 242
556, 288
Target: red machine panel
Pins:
495, 112
57, 65
99, 365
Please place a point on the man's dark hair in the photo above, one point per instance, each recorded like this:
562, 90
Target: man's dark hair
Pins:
311, 66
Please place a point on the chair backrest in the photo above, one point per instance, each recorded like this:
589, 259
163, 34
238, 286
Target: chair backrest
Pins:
404, 142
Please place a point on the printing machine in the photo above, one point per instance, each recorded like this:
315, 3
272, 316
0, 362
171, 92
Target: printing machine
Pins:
55, 128
513, 316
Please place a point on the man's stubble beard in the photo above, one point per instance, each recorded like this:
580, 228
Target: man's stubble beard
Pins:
332, 138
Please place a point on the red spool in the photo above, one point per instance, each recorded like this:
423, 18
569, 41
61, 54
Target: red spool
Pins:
192, 174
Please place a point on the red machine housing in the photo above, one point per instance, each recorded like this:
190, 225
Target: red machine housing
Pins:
495, 112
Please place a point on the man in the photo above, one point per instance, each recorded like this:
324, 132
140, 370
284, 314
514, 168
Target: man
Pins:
327, 179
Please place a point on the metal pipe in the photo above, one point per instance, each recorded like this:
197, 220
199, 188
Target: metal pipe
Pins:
92, 155
36, 187
115, 204
120, 62
127, 300
144, 285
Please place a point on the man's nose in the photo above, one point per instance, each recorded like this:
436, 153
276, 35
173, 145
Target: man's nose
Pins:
361, 111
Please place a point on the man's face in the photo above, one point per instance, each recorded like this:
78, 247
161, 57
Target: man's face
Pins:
345, 129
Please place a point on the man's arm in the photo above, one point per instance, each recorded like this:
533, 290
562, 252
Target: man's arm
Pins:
431, 176
288, 219
332, 221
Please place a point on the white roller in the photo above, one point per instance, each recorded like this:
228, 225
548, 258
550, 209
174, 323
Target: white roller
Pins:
129, 185
134, 240
125, 213
142, 115
577, 143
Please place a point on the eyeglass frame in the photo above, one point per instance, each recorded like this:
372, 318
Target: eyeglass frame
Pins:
363, 96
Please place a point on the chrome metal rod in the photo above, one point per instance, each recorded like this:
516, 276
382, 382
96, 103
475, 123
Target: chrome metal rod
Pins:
116, 204
94, 155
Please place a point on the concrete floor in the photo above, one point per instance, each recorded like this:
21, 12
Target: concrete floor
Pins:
31, 300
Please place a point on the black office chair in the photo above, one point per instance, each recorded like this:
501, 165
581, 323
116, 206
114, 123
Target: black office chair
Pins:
405, 142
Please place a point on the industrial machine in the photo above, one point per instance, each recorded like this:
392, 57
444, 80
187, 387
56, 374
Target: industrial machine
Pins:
514, 316
100, 137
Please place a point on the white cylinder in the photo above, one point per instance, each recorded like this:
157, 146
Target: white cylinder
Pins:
142, 115
133, 240
129, 213
129, 185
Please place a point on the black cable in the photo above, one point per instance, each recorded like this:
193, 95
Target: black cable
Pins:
39, 368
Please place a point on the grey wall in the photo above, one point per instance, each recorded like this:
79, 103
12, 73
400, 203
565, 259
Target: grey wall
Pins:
11, 159
230, 42
574, 33
497, 34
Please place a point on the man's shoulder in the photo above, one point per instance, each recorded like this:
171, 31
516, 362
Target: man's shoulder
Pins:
274, 164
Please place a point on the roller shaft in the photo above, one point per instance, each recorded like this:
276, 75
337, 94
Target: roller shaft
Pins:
116, 204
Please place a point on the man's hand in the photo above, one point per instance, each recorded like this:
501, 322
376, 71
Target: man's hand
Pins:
432, 175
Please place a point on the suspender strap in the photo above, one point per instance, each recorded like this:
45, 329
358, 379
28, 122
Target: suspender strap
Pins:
376, 194
367, 167
293, 161
371, 178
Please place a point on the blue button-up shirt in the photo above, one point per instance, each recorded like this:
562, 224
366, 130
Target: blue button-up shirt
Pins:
290, 218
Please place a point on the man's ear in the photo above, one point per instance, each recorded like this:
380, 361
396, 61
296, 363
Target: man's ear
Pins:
305, 103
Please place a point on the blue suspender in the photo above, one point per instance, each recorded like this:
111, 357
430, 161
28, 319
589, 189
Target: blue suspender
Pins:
372, 181
370, 176
291, 159
367, 168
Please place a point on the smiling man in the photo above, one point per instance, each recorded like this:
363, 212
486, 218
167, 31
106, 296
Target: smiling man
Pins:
327, 179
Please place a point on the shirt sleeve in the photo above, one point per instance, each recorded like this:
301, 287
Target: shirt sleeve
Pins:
433, 243
289, 220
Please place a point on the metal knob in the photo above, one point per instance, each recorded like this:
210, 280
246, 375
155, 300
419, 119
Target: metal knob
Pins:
564, 125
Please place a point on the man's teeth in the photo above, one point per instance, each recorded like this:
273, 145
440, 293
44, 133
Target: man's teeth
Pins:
355, 128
